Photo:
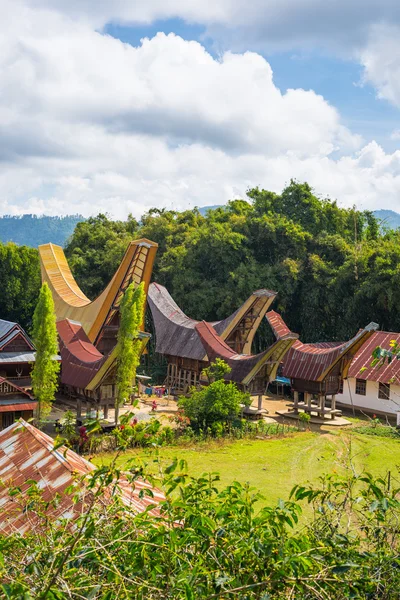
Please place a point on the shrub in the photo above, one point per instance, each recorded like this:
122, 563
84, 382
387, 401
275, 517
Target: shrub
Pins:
218, 402
224, 547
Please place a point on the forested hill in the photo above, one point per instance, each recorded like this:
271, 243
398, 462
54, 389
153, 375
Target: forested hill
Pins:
31, 230
334, 269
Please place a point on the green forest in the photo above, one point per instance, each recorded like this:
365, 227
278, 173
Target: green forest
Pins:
334, 269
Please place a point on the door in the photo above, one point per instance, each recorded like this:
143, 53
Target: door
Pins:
8, 419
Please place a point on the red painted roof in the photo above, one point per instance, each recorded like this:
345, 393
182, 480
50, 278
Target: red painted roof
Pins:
385, 374
241, 364
28, 454
310, 361
17, 407
214, 345
80, 358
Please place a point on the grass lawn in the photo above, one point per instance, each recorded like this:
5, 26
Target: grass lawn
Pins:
274, 466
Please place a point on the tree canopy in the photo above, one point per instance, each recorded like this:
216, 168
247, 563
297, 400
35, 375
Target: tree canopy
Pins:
333, 268
44, 335
129, 345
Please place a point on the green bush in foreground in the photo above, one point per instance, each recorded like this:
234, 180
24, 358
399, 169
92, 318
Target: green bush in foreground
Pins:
213, 543
218, 402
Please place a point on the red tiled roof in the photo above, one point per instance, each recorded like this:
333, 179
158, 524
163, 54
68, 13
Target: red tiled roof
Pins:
385, 374
28, 454
310, 361
80, 358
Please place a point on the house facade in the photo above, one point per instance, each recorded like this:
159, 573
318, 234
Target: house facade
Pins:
16, 358
376, 389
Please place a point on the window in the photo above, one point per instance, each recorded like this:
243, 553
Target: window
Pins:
361, 387
384, 391
340, 387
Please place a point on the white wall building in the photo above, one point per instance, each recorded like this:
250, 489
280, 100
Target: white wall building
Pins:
371, 396
373, 389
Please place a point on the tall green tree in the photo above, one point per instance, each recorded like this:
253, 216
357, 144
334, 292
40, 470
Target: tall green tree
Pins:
129, 344
46, 368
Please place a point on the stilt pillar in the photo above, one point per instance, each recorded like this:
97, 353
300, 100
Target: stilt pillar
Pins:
296, 402
260, 401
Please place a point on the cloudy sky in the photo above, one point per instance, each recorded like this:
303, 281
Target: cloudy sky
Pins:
121, 105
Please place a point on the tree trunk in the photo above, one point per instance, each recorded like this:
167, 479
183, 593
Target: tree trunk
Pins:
116, 412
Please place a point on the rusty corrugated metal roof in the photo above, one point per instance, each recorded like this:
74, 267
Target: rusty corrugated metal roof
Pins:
17, 406
311, 361
28, 454
363, 359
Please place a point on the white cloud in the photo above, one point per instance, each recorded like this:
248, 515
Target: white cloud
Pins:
88, 123
381, 61
341, 25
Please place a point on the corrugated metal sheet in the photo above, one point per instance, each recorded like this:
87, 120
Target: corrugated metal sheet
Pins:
9, 331
17, 406
363, 359
17, 357
311, 361
28, 454
5, 327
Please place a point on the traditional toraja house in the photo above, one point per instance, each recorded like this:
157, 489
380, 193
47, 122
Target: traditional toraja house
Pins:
185, 343
251, 372
316, 371
373, 389
17, 354
99, 318
86, 374
27, 455
88, 329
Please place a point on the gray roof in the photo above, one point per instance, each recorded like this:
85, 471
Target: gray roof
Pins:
9, 331
5, 327
176, 333
12, 401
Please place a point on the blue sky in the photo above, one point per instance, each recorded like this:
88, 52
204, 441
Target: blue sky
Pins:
120, 106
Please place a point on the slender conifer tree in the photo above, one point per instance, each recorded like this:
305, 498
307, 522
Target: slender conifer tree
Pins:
129, 344
45, 370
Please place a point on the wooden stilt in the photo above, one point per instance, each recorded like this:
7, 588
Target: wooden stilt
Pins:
296, 402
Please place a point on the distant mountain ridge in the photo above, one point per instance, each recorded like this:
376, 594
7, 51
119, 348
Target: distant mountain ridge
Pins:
31, 230
388, 218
